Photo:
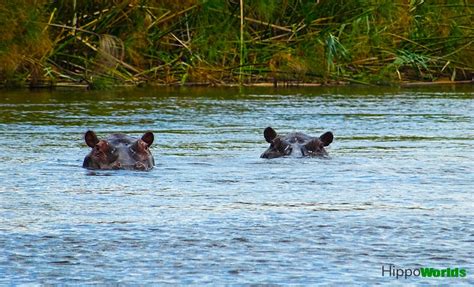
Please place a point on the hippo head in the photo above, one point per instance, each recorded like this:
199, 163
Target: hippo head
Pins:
295, 144
119, 151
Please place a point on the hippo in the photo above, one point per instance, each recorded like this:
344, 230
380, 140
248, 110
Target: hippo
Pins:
295, 144
119, 151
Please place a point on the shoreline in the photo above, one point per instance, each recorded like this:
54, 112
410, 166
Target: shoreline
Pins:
405, 84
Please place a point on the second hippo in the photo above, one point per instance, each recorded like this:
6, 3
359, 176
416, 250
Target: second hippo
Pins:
295, 144
119, 151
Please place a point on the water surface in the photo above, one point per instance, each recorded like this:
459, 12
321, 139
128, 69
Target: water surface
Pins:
397, 188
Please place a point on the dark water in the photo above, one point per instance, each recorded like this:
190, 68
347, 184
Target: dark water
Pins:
397, 188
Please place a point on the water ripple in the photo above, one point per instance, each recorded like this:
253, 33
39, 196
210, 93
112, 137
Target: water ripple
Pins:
396, 189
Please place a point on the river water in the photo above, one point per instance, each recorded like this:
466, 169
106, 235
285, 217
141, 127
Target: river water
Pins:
396, 189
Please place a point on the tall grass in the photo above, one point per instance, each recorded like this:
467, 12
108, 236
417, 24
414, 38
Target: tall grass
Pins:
24, 44
103, 43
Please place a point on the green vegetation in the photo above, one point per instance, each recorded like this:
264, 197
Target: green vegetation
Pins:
104, 43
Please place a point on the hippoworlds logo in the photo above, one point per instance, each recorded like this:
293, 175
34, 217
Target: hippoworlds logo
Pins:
426, 272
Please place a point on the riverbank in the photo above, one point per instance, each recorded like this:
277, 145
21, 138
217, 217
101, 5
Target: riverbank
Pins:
221, 43
230, 85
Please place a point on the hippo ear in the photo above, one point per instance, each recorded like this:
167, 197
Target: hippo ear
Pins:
148, 138
269, 134
91, 138
327, 138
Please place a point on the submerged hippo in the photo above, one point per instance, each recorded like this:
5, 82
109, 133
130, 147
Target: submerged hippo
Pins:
119, 151
297, 144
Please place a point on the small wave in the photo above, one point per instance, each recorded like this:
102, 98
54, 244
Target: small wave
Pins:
323, 206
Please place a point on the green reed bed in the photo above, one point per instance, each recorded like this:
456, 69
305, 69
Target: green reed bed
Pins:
106, 43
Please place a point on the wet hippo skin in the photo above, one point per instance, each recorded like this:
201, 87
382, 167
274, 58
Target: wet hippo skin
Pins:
119, 151
295, 144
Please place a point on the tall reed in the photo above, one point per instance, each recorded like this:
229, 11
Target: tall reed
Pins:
215, 42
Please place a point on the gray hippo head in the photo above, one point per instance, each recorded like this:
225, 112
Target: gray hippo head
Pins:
119, 151
295, 144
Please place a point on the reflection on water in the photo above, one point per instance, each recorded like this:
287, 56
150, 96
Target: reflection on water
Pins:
397, 188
